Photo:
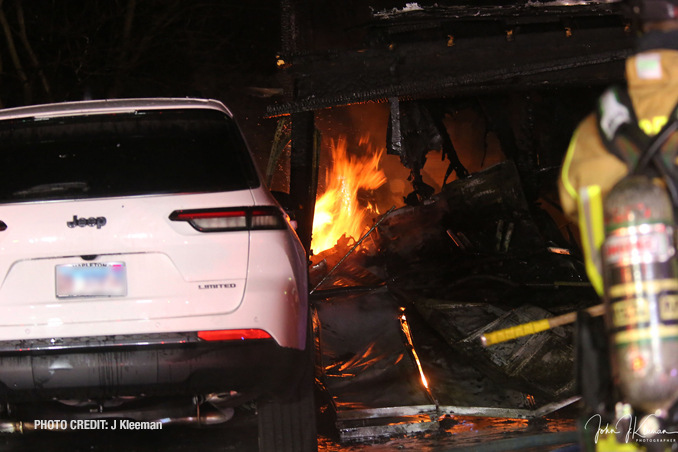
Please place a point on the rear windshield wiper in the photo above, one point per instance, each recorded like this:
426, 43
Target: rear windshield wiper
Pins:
53, 188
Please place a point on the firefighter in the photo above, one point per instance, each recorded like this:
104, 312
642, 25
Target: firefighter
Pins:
620, 181
607, 144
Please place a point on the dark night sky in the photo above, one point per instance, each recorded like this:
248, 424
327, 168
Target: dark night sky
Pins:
54, 51
132, 48
78, 49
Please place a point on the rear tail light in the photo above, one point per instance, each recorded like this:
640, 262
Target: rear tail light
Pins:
233, 335
232, 219
268, 218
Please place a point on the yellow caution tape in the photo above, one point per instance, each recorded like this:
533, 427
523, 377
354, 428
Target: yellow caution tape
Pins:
515, 332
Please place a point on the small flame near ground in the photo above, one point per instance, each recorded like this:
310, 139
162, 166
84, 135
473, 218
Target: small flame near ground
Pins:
337, 210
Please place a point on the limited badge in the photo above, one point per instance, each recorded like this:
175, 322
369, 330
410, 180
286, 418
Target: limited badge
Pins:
649, 66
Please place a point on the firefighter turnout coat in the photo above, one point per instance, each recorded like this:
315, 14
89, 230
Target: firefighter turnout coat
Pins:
591, 168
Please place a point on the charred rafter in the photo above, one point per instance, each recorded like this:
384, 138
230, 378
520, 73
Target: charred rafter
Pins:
471, 66
518, 12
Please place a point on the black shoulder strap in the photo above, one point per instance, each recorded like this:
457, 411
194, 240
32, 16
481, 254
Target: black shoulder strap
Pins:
618, 126
653, 156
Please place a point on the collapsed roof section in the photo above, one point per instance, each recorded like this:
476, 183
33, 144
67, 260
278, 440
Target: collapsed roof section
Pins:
419, 51
520, 11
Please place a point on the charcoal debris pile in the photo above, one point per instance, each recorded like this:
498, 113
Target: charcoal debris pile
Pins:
472, 259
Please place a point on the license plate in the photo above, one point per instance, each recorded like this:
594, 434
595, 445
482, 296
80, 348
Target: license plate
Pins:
91, 279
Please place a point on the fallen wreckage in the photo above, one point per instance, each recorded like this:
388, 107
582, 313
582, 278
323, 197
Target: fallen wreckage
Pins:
400, 320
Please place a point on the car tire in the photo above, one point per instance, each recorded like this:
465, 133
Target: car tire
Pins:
289, 425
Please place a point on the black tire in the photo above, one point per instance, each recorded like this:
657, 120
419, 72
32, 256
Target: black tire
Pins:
289, 425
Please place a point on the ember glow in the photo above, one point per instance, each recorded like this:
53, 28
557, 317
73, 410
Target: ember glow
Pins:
408, 334
337, 210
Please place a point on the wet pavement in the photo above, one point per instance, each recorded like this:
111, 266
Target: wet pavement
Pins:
367, 366
240, 434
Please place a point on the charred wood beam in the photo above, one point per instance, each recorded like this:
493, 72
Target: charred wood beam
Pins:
296, 36
438, 114
288, 26
431, 69
303, 184
485, 82
551, 10
414, 129
495, 111
526, 158
396, 136
295, 25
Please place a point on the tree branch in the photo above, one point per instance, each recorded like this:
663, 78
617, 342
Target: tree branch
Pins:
124, 47
29, 49
15, 56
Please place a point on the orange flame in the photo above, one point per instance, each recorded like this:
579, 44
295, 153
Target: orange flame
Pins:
337, 211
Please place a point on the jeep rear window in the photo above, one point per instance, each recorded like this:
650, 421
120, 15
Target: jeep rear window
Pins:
106, 155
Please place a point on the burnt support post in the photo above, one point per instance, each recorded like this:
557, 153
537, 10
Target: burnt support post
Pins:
296, 36
303, 184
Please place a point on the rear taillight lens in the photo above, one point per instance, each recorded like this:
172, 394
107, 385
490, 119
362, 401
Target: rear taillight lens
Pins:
267, 218
232, 219
233, 335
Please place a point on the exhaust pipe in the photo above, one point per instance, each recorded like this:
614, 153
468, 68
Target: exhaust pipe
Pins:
209, 418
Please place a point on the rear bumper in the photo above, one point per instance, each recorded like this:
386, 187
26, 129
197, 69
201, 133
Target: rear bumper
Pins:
251, 368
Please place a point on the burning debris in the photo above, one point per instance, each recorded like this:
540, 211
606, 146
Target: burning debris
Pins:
338, 211
474, 254
471, 259
415, 129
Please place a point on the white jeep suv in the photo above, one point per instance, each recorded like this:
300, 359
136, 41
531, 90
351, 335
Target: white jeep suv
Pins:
146, 273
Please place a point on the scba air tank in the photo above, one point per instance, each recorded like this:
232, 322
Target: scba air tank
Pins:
641, 293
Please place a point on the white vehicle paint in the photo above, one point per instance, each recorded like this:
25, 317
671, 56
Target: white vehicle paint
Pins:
178, 278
